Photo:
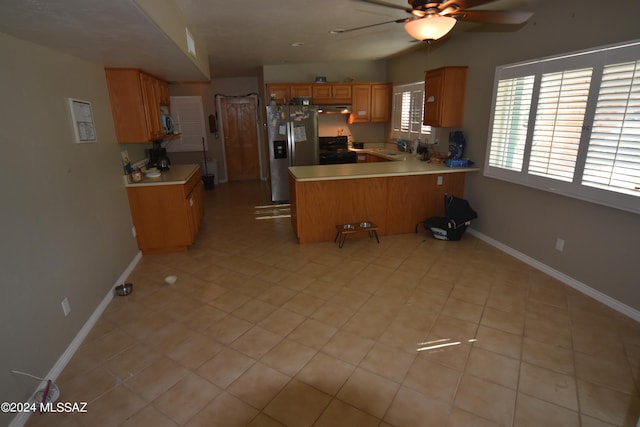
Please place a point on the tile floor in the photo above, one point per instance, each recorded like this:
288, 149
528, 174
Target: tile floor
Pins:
261, 331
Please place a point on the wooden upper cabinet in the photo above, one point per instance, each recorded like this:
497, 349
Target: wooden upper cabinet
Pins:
281, 92
300, 90
360, 103
444, 96
380, 102
331, 93
371, 103
163, 87
151, 97
135, 104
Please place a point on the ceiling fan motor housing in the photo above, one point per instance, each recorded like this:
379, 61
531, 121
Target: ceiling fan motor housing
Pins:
422, 8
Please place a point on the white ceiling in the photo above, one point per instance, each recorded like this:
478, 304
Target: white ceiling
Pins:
240, 36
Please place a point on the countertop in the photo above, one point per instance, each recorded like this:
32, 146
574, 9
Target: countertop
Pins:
403, 164
176, 175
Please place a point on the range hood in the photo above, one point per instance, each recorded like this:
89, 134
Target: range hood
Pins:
334, 109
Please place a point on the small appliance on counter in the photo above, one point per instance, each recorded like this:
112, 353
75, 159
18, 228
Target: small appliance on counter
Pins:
158, 156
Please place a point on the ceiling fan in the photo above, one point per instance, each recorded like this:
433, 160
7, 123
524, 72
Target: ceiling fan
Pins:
432, 20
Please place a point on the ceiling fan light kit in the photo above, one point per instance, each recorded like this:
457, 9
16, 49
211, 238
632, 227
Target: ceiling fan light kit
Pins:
431, 27
433, 19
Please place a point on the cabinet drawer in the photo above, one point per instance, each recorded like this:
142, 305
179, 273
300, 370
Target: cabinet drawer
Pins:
192, 182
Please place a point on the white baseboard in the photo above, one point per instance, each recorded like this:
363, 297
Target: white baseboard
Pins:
21, 419
567, 280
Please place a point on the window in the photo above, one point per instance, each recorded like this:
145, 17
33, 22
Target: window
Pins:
571, 124
188, 115
408, 104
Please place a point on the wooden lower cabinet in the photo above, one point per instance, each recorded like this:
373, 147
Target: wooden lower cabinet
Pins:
396, 204
167, 217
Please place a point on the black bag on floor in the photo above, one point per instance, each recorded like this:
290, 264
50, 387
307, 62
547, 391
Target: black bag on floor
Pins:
458, 216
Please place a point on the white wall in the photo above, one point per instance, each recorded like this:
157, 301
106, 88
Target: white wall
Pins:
360, 71
602, 244
65, 221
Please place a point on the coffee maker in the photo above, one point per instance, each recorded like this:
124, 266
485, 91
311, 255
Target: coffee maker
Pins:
158, 156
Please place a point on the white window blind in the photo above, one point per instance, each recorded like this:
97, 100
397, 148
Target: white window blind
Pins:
405, 112
570, 124
559, 118
510, 122
408, 111
613, 158
188, 116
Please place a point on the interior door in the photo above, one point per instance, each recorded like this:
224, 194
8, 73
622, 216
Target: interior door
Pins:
239, 117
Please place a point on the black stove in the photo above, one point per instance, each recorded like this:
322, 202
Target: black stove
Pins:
335, 150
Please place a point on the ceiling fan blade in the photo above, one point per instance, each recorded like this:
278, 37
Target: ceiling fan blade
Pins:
493, 16
387, 4
348, 30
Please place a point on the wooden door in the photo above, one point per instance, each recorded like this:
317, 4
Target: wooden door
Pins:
239, 117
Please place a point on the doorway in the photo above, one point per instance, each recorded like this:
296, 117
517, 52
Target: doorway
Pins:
239, 121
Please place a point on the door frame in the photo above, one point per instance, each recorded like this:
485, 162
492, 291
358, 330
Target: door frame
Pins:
254, 96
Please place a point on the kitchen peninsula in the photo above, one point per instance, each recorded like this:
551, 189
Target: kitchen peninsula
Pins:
167, 210
395, 195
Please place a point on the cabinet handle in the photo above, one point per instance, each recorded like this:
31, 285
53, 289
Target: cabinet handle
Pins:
190, 201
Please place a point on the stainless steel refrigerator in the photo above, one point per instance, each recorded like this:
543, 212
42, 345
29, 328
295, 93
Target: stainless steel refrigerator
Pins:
293, 141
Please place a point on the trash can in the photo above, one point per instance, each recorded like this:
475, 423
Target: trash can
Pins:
209, 171
209, 181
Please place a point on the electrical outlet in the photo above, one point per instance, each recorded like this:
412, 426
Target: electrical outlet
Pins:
439, 182
560, 244
66, 308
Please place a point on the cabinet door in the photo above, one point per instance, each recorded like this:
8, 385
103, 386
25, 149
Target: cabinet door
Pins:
341, 93
164, 93
331, 93
160, 216
300, 91
150, 96
433, 97
380, 102
373, 158
321, 93
444, 96
361, 103
195, 207
280, 91
127, 105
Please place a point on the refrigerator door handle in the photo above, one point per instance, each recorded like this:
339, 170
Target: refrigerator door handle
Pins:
292, 144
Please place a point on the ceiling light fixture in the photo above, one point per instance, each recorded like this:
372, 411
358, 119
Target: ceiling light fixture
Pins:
429, 28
